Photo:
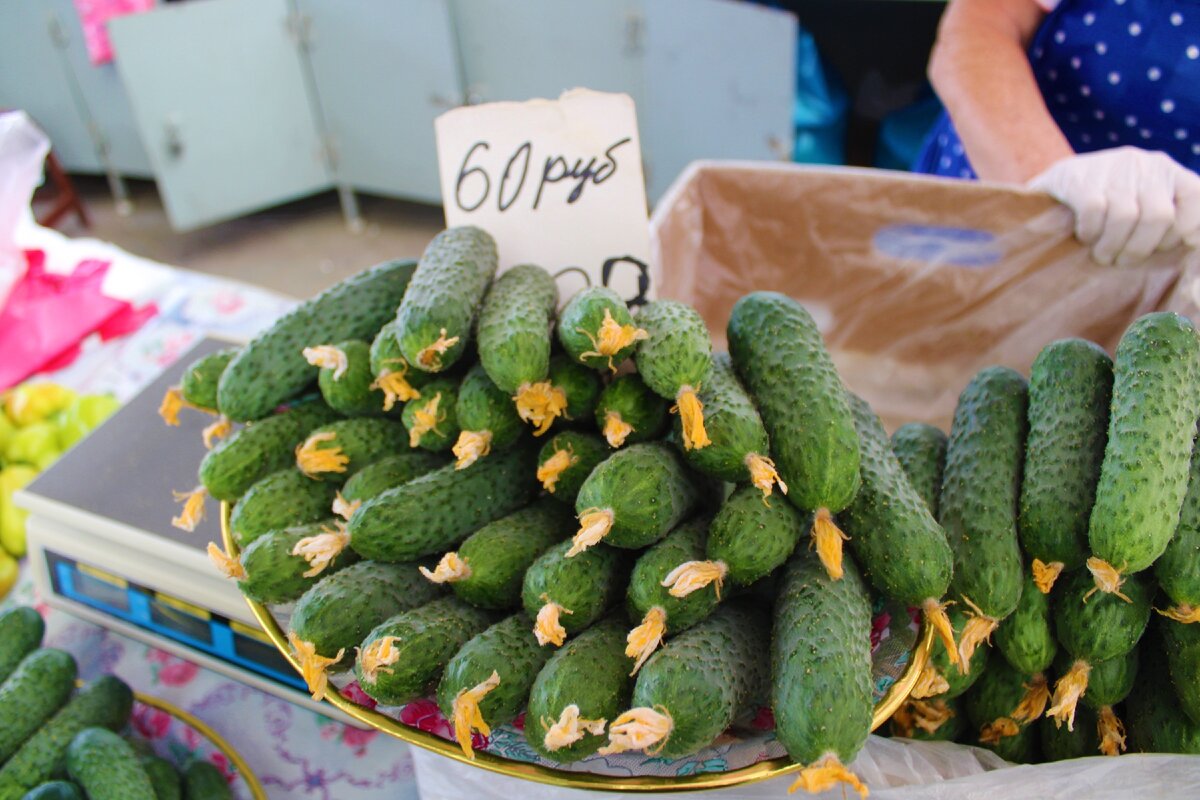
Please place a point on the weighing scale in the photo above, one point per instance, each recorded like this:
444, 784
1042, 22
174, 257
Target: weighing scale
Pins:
102, 547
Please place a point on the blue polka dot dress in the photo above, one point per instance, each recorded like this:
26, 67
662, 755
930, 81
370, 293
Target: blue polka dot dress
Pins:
1112, 73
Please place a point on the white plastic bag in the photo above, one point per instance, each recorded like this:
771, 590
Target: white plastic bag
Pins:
23, 149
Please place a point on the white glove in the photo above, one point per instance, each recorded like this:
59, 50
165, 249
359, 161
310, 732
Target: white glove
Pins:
1128, 202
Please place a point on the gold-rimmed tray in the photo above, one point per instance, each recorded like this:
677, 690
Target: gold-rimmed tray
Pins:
890, 699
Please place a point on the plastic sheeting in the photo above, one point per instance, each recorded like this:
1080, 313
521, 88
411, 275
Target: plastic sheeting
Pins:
23, 149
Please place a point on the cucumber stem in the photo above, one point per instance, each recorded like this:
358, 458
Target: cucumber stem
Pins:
345, 508
691, 576
450, 568
426, 419
470, 447
976, 631
826, 773
611, 339
313, 459
229, 566
468, 717
378, 657
645, 729
1111, 731
313, 665
1044, 575
764, 476
326, 356
549, 473
320, 550
828, 538
616, 430
430, 358
1182, 612
193, 509
219, 429
691, 414
928, 715
1033, 703
930, 683
540, 404
1067, 691
570, 728
997, 729
547, 627
643, 640
173, 402
594, 525
395, 387
935, 615
1107, 577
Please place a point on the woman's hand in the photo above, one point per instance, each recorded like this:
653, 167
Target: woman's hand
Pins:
1128, 202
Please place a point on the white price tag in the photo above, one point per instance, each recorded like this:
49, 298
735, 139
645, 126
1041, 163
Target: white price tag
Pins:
558, 183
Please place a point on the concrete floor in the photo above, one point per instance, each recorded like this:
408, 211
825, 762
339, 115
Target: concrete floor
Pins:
297, 249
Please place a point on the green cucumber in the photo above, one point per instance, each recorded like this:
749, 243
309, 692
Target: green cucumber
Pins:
433, 513
1070, 386
487, 682
488, 568
749, 539
1178, 568
166, 780
821, 665
597, 330
203, 781
979, 499
634, 497
257, 450
432, 419
271, 369
992, 706
402, 657
566, 460
570, 391
584, 685
55, 790
779, 353
21, 631
388, 473
941, 678
337, 613
565, 594
395, 378
675, 361
1182, 646
437, 315
1026, 637
1060, 743
1155, 405
692, 689
198, 386
1156, 721
514, 327
280, 500
921, 450
739, 450
39, 687
486, 417
937, 720
105, 702
271, 572
345, 379
1109, 682
336, 451
627, 412
107, 767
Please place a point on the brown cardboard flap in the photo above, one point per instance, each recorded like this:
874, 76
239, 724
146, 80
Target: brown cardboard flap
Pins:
917, 282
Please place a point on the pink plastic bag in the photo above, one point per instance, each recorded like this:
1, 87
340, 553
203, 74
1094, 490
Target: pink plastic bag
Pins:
94, 16
48, 316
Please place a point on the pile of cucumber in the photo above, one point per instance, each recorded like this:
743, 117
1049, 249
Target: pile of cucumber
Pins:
588, 515
60, 743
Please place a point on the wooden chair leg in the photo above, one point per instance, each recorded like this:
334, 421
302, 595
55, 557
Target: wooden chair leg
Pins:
67, 198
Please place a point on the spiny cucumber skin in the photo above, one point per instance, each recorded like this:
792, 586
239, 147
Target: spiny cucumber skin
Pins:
1070, 386
592, 672
1182, 646
443, 436
203, 781
508, 648
753, 538
21, 631
957, 682
484, 406
446, 292
386, 357
351, 394
646, 487
364, 440
821, 661
280, 500
258, 449
107, 768
428, 637
514, 327
1110, 681
1178, 568
342, 608
685, 543
105, 702
271, 369
585, 312
921, 450
980, 490
499, 553
732, 423
638, 406
199, 383
1026, 637
587, 451
580, 385
587, 584
166, 780
390, 472
1105, 626
431, 514
1154, 719
707, 676
1144, 477
678, 351
274, 575
780, 355
1060, 743
40, 686
903, 551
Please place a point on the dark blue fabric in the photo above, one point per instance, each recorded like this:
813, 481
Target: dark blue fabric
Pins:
1112, 73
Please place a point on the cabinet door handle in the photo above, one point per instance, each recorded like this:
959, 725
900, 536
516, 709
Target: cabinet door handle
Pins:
173, 139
